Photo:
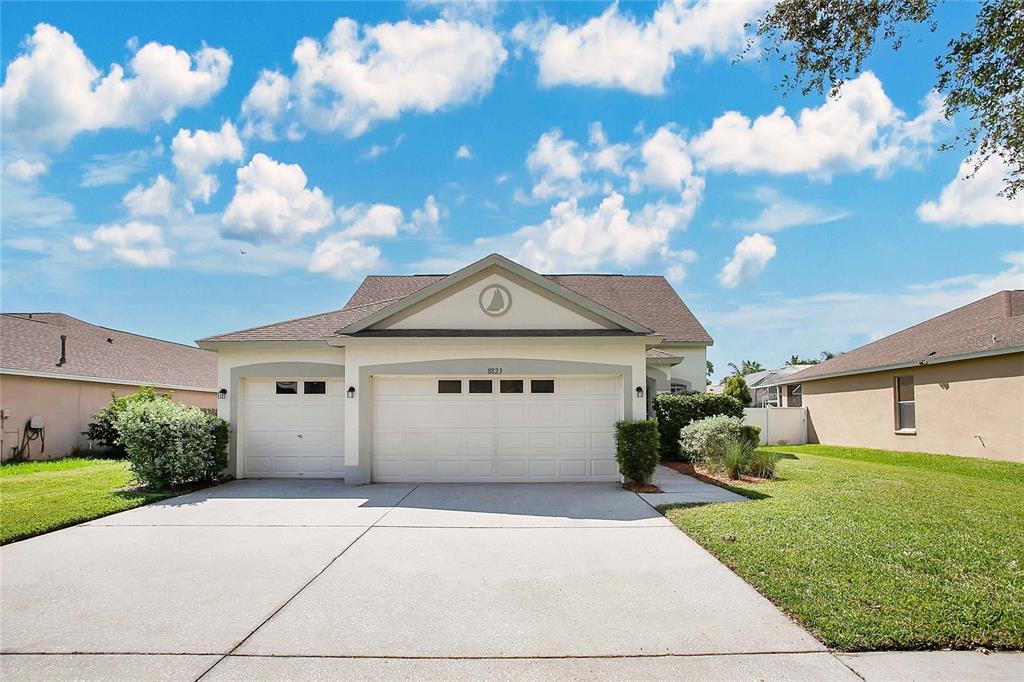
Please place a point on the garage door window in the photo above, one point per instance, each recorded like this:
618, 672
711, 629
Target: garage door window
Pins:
287, 387
511, 385
481, 386
314, 387
449, 385
542, 385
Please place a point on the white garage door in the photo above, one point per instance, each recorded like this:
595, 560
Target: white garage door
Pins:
294, 427
495, 429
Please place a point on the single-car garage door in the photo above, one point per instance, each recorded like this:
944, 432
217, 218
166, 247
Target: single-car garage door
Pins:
294, 427
495, 428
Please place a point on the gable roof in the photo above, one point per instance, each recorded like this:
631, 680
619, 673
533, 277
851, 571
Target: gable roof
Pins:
30, 343
647, 300
994, 324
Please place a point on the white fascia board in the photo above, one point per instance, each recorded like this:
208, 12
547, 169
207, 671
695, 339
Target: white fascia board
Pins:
103, 380
419, 340
263, 345
795, 379
502, 262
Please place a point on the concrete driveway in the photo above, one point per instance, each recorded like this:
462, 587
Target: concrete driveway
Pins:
294, 579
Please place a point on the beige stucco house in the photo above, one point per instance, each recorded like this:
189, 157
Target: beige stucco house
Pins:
57, 371
491, 373
953, 384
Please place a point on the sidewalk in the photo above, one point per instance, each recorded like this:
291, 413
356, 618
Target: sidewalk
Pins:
679, 488
936, 666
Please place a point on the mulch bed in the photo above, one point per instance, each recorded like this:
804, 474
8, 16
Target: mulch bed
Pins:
637, 488
707, 476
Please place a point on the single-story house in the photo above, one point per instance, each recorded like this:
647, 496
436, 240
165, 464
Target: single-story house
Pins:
952, 384
491, 373
766, 387
57, 371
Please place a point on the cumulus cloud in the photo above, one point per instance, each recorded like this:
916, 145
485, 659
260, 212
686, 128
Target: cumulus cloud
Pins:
272, 201
135, 243
780, 212
344, 258
859, 129
194, 153
52, 91
614, 50
363, 74
604, 155
557, 167
463, 152
385, 220
749, 258
974, 201
667, 162
153, 201
24, 170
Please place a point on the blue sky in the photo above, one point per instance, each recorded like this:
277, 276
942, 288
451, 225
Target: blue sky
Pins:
147, 146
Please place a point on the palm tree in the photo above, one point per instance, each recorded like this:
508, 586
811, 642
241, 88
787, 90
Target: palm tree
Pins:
746, 367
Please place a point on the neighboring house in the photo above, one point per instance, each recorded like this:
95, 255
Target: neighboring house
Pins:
492, 373
766, 387
62, 370
953, 384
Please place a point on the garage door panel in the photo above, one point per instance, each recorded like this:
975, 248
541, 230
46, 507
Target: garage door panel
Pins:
599, 415
573, 468
604, 467
511, 415
481, 416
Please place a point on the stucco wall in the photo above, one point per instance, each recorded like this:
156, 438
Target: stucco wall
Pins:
972, 408
693, 368
67, 407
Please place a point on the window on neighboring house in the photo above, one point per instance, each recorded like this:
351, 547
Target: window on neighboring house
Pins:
287, 387
795, 395
773, 396
905, 417
449, 385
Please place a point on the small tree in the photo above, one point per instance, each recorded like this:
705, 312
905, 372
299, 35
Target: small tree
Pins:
736, 387
103, 430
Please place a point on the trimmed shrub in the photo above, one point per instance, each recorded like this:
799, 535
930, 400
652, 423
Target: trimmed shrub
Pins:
636, 448
676, 411
762, 463
752, 433
170, 444
703, 441
736, 456
103, 430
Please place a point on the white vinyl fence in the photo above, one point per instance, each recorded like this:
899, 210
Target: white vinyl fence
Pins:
779, 425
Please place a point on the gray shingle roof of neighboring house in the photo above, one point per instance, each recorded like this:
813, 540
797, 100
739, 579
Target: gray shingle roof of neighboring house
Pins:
648, 300
990, 325
30, 343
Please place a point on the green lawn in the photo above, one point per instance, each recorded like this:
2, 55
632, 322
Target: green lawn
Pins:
37, 497
872, 549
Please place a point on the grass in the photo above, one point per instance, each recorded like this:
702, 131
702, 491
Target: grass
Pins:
37, 497
871, 549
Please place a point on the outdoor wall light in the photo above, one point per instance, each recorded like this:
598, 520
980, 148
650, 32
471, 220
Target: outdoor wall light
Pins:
639, 391
351, 391
222, 393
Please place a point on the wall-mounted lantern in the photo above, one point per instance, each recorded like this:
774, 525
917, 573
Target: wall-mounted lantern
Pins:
222, 394
639, 391
351, 392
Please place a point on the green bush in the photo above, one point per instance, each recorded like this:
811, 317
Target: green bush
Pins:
736, 456
676, 411
103, 431
170, 444
636, 448
703, 441
752, 433
735, 386
762, 463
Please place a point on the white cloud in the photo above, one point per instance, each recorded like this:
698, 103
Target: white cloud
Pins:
135, 243
780, 212
386, 221
52, 91
667, 163
344, 258
429, 216
266, 103
557, 166
617, 51
118, 167
194, 153
463, 152
605, 156
29, 206
24, 170
974, 201
152, 201
860, 129
271, 201
749, 258
360, 75
572, 238
378, 150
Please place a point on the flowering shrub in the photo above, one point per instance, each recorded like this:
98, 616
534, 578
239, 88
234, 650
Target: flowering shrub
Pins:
169, 443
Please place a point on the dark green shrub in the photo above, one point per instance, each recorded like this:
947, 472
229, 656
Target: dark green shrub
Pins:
752, 433
735, 386
636, 448
676, 411
103, 431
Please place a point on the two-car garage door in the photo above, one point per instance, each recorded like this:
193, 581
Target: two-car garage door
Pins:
495, 428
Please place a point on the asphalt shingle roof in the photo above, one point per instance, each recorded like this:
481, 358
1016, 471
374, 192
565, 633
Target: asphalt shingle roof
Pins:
30, 342
993, 323
646, 299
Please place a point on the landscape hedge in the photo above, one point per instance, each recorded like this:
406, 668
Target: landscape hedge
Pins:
676, 411
636, 448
